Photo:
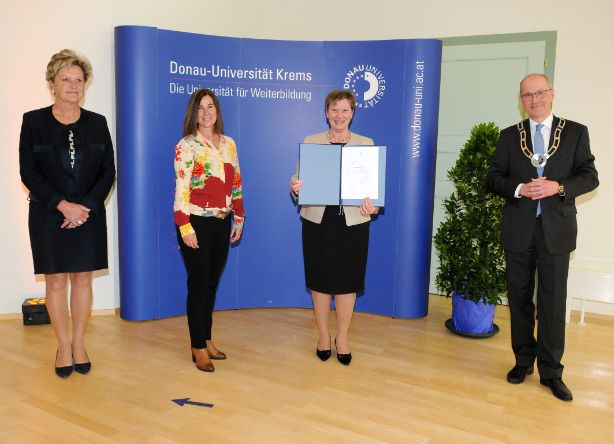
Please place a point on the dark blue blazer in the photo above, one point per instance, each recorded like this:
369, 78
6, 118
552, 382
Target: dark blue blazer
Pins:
44, 160
572, 165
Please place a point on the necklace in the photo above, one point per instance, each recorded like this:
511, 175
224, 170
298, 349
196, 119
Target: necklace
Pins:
344, 138
71, 148
538, 159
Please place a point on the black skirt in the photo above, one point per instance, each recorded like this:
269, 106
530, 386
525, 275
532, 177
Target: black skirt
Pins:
59, 250
335, 255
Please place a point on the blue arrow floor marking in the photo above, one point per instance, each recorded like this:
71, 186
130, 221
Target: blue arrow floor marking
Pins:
183, 401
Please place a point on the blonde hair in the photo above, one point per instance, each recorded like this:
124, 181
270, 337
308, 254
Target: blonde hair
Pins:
66, 58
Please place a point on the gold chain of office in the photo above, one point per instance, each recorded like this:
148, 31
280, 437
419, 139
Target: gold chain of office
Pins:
555, 141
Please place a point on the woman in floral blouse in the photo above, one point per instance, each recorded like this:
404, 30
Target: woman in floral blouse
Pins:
207, 190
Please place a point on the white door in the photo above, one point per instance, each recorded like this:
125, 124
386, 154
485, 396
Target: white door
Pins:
479, 83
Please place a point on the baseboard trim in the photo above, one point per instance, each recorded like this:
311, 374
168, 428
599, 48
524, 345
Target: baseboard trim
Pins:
590, 292
101, 312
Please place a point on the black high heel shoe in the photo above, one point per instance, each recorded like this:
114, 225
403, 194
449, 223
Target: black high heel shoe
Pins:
62, 372
323, 354
83, 367
344, 358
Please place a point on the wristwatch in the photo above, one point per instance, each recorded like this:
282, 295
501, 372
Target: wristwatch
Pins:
561, 190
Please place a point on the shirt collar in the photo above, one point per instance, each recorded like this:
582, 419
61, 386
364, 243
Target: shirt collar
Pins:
208, 142
547, 122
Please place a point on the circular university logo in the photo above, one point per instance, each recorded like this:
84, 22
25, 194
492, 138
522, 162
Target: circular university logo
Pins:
367, 82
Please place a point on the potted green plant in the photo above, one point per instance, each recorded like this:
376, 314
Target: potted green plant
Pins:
471, 260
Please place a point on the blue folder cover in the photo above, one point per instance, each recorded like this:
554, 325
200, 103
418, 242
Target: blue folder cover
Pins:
320, 171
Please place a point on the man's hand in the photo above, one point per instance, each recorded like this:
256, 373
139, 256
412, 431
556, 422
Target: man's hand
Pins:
539, 188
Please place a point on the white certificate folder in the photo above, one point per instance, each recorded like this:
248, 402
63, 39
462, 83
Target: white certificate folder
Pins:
342, 174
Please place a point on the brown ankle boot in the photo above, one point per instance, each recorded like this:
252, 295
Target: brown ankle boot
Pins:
201, 357
214, 353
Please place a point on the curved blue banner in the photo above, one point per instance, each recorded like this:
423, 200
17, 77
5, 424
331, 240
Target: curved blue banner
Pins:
272, 95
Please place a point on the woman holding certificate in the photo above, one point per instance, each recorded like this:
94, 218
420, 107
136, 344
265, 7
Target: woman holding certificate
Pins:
335, 238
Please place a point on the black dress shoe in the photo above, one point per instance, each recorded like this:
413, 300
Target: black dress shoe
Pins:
83, 367
62, 372
344, 358
518, 373
323, 354
558, 387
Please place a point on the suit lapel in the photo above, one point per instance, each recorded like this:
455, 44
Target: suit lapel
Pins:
555, 157
527, 162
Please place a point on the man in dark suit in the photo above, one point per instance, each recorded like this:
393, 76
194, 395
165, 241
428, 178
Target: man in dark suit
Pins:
540, 166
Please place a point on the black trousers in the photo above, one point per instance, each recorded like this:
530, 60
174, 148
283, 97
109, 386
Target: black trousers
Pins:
204, 266
552, 273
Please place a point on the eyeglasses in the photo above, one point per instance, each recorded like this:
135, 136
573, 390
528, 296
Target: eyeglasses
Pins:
527, 97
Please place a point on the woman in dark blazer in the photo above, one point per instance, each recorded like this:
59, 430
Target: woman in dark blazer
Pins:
66, 161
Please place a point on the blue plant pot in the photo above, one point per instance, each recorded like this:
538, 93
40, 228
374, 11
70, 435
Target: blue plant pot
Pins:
474, 318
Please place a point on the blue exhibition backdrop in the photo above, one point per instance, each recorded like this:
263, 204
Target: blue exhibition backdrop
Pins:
272, 96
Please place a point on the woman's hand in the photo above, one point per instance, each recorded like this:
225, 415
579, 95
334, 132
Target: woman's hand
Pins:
74, 214
235, 234
68, 224
367, 208
190, 240
296, 185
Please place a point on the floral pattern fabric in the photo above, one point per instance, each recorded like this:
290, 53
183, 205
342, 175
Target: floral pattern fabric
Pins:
207, 181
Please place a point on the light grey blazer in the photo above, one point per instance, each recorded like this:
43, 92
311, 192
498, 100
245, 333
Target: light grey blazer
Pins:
314, 213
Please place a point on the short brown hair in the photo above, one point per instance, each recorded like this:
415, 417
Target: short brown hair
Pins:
190, 120
340, 94
66, 58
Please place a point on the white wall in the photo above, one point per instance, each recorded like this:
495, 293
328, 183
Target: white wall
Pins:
30, 31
